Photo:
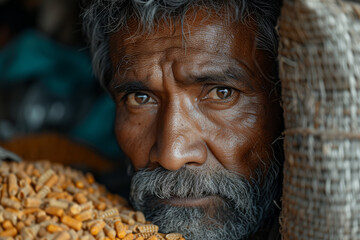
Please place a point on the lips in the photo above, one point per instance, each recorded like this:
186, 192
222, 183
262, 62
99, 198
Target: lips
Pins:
193, 201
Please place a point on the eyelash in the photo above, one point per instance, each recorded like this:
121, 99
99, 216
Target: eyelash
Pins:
213, 87
126, 95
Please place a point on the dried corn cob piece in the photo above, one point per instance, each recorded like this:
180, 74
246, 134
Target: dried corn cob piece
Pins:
63, 236
112, 212
139, 217
55, 211
153, 237
11, 232
126, 219
7, 224
85, 216
110, 232
7, 202
173, 236
97, 227
71, 222
13, 186
43, 192
52, 202
52, 181
43, 179
54, 228
120, 229
58, 204
148, 228
129, 236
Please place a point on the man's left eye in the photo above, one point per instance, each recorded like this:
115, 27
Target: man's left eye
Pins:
220, 93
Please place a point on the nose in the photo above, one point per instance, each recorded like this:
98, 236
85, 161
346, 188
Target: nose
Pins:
178, 140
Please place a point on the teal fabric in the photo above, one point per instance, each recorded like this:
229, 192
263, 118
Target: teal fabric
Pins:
98, 126
34, 56
66, 72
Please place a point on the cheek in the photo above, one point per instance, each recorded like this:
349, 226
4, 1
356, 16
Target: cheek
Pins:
134, 137
237, 142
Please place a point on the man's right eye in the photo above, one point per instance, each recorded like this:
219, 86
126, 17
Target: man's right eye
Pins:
138, 99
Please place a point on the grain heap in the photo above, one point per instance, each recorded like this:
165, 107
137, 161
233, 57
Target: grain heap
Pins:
49, 201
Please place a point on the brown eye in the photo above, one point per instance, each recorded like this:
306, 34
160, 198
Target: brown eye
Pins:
141, 98
220, 93
137, 99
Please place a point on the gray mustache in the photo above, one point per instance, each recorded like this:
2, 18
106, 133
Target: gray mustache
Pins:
245, 206
190, 183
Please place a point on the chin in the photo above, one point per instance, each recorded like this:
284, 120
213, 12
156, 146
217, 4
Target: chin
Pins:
212, 220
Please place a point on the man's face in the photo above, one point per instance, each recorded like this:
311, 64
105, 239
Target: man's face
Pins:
195, 106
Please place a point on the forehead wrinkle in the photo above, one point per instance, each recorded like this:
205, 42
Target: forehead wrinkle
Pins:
198, 68
130, 60
182, 31
158, 42
150, 37
225, 70
136, 48
208, 62
200, 38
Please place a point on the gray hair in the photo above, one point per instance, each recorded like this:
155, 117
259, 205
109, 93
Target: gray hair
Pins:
244, 207
101, 18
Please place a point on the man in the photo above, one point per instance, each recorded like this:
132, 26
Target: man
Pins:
198, 112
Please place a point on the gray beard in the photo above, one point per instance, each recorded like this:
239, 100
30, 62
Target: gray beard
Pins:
241, 211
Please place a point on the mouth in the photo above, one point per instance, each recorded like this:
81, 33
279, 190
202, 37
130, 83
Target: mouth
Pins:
193, 201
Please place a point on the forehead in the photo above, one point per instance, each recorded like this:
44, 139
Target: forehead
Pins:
201, 36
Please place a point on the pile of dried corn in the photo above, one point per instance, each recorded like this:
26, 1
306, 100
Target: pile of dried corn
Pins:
49, 201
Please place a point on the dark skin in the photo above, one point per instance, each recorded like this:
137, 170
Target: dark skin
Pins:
199, 99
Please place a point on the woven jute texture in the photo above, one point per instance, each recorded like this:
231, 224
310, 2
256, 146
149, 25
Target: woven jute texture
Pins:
319, 59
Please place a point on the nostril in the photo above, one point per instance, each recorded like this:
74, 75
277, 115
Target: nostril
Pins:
178, 152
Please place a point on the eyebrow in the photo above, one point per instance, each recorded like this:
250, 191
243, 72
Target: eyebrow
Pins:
130, 86
229, 75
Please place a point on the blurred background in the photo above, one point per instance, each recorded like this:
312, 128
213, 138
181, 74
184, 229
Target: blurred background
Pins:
51, 105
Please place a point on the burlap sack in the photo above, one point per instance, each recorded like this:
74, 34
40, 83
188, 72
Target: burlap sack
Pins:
319, 60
